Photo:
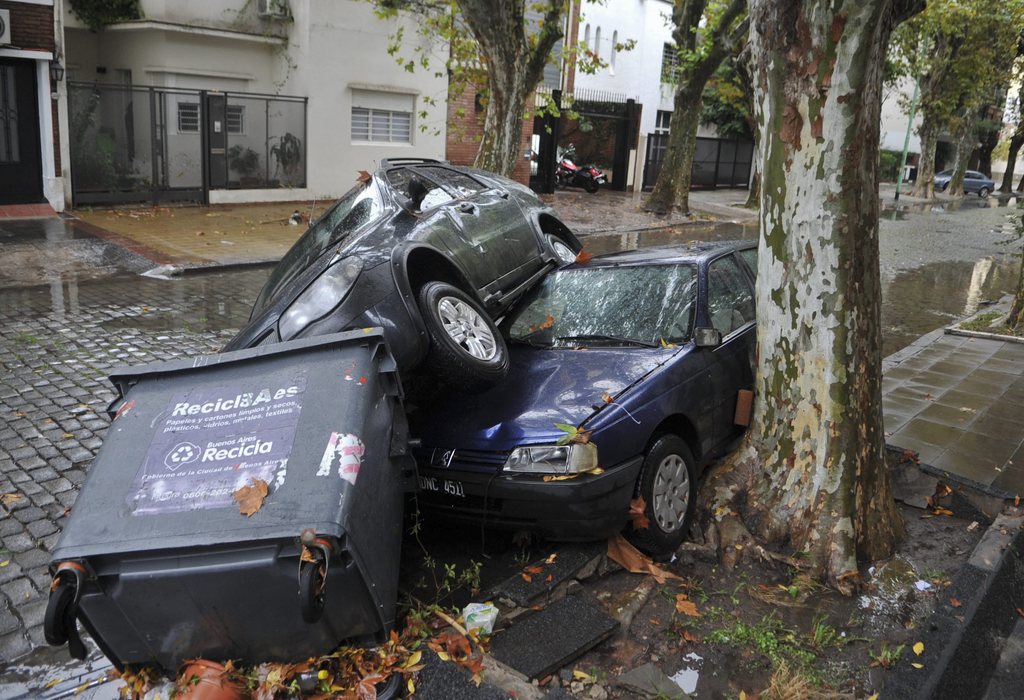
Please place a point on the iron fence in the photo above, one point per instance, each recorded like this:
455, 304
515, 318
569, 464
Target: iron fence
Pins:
157, 144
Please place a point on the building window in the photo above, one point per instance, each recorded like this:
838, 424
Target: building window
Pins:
188, 117
586, 36
382, 117
235, 117
615, 40
661, 122
597, 42
669, 64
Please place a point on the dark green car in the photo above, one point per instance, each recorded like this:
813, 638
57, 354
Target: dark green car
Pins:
430, 252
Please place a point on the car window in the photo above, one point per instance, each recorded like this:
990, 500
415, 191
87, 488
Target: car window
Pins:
419, 192
749, 256
975, 176
643, 303
356, 208
730, 299
459, 184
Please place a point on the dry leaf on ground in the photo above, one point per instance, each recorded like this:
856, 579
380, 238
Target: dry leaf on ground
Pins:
632, 559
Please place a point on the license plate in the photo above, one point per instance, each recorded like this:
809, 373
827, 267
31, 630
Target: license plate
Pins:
448, 486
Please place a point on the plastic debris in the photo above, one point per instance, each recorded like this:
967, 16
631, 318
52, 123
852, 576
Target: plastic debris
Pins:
480, 616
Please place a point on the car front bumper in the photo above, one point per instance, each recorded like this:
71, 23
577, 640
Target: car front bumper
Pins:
586, 507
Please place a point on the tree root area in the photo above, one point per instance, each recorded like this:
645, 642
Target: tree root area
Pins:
766, 628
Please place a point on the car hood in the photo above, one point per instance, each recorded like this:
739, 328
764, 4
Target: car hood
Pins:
543, 387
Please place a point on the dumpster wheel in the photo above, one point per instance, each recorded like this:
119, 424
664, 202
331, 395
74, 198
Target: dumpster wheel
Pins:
60, 624
312, 584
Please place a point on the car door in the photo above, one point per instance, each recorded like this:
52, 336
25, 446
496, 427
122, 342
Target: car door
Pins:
495, 225
730, 310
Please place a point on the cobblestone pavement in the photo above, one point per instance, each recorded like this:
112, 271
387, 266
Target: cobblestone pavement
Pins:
57, 344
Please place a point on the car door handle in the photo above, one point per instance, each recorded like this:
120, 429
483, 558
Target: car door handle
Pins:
467, 208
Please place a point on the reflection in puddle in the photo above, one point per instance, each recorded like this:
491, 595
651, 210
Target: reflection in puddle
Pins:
686, 677
915, 302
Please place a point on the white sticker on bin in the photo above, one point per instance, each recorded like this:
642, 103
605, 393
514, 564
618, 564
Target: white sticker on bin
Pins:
345, 451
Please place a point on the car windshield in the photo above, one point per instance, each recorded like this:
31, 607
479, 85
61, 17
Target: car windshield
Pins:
356, 208
630, 305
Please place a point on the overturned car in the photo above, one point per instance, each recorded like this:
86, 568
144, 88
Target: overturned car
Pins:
430, 252
645, 352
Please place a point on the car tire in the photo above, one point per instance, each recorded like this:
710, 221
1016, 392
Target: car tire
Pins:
563, 252
942, 188
983, 193
668, 485
466, 349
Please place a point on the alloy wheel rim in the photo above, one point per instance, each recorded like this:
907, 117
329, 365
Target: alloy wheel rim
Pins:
671, 493
563, 252
467, 328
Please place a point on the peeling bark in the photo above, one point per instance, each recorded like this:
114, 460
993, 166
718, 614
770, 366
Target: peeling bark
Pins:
812, 473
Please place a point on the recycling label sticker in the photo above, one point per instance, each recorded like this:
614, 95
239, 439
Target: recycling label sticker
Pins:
211, 441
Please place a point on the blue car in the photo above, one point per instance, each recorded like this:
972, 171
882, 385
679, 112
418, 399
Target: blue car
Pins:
973, 182
645, 352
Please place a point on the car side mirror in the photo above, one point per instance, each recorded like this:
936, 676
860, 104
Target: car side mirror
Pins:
707, 337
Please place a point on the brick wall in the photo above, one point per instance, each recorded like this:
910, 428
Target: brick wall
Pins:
31, 25
465, 132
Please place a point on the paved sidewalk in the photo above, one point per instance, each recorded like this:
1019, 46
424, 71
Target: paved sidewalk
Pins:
958, 402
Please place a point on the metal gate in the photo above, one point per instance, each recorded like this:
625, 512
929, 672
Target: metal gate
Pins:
156, 144
716, 162
610, 122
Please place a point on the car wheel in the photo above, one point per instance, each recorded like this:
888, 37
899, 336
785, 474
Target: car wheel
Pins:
942, 188
466, 348
562, 250
983, 193
668, 485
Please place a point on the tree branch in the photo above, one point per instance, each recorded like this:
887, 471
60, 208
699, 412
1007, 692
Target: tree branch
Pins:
550, 33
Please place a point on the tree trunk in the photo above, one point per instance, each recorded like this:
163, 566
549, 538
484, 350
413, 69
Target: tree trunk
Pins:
515, 65
822, 484
988, 144
965, 142
1016, 317
1016, 141
508, 90
924, 186
754, 193
672, 190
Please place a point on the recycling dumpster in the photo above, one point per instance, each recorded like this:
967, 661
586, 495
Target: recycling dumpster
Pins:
246, 505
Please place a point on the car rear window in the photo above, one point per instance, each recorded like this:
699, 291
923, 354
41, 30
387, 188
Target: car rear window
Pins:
647, 303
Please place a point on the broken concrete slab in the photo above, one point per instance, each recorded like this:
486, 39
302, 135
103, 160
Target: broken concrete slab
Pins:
541, 644
650, 681
571, 560
444, 680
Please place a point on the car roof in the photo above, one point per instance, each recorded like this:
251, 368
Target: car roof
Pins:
672, 254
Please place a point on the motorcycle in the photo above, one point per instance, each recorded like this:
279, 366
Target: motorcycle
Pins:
568, 174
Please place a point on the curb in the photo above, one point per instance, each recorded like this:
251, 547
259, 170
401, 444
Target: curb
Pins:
962, 644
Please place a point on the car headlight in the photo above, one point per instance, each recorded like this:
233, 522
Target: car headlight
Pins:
326, 292
552, 459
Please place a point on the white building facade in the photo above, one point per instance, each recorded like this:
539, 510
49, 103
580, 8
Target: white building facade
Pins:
242, 101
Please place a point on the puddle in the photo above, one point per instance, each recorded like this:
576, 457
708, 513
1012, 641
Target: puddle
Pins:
894, 211
918, 301
687, 677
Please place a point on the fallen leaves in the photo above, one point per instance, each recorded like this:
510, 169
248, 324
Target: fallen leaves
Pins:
544, 325
631, 559
363, 177
583, 257
9, 498
573, 435
918, 648
250, 498
955, 602
638, 515
685, 606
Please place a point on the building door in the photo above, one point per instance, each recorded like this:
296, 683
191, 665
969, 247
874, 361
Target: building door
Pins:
21, 170
217, 138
